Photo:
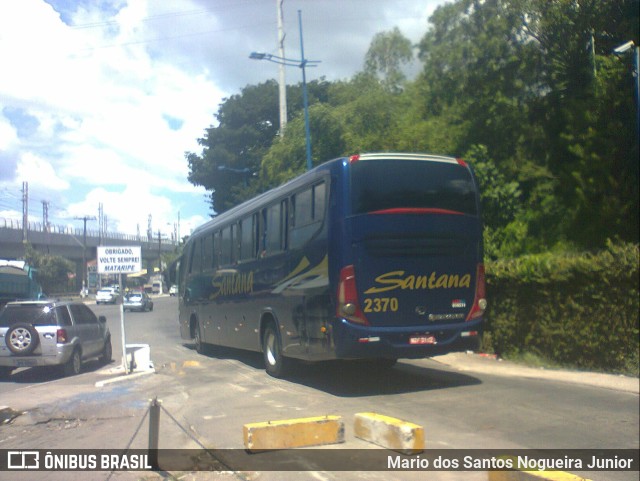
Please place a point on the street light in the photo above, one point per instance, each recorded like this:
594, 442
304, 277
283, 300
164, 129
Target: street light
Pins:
302, 64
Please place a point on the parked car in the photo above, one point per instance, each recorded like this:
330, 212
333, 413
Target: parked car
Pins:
106, 295
173, 290
137, 301
51, 333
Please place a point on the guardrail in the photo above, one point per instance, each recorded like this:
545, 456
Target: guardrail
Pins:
15, 224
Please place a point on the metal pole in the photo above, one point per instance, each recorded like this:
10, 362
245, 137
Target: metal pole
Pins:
123, 338
281, 76
305, 98
84, 255
154, 431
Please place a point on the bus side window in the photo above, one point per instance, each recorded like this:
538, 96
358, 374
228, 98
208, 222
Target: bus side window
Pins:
226, 243
256, 235
207, 253
196, 257
284, 221
247, 238
262, 233
319, 200
274, 229
308, 214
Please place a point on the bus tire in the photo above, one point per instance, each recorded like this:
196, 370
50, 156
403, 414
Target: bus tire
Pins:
197, 339
274, 362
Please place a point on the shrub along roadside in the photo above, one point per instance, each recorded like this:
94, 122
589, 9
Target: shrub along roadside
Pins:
576, 310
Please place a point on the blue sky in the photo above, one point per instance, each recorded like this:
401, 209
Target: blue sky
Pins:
100, 100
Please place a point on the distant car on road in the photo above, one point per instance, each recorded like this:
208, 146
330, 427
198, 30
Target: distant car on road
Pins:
173, 290
51, 333
137, 301
107, 295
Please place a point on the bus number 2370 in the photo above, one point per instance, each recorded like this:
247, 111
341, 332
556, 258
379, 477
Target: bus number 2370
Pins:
381, 304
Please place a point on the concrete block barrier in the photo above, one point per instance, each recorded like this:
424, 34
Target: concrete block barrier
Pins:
390, 433
293, 433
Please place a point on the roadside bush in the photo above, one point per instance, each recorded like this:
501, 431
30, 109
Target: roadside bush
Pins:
577, 310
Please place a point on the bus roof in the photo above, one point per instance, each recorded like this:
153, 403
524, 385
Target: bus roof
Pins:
250, 204
403, 156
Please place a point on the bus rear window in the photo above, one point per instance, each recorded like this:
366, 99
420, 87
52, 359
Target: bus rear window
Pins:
391, 184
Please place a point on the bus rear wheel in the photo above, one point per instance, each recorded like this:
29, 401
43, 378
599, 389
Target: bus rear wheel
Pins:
275, 363
197, 339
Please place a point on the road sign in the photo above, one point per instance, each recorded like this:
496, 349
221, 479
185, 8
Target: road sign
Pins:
119, 260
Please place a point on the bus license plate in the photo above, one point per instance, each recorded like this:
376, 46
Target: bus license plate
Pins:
422, 340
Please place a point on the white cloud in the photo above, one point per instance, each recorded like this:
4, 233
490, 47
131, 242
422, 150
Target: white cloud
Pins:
102, 103
8, 135
103, 85
39, 172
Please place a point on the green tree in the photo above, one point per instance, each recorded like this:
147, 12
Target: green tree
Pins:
518, 77
588, 115
233, 150
387, 53
287, 157
53, 271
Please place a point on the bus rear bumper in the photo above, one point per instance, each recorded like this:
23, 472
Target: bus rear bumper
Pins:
357, 342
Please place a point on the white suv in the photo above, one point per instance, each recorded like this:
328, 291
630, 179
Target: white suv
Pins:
106, 295
50, 333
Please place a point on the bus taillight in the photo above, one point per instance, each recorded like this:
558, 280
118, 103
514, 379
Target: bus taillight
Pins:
348, 305
479, 301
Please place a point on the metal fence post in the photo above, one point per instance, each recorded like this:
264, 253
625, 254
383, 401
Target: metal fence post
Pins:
154, 431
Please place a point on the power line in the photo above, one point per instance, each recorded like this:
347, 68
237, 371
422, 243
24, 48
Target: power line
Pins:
233, 4
173, 37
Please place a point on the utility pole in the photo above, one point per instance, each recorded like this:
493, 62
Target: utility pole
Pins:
25, 211
45, 215
281, 77
84, 250
159, 251
303, 63
100, 223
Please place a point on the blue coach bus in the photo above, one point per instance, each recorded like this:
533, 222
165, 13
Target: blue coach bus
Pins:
373, 256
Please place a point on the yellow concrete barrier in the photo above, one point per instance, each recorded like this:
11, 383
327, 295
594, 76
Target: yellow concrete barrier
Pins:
534, 476
293, 433
390, 433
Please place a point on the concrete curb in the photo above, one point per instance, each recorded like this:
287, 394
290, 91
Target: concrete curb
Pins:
471, 362
124, 377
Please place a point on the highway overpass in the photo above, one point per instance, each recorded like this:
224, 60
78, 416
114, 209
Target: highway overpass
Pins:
69, 242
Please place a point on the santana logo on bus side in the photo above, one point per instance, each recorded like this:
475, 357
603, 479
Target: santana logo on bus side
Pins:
397, 280
233, 284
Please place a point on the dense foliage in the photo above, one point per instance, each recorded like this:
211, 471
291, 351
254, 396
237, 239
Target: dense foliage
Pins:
579, 310
54, 273
529, 91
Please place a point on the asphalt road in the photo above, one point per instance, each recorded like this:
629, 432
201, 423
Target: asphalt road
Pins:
207, 399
